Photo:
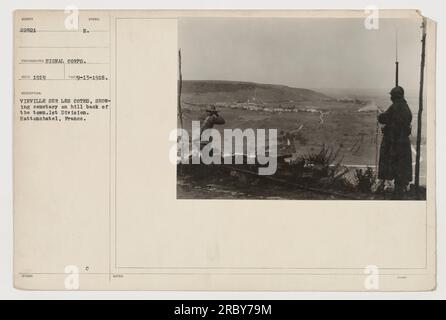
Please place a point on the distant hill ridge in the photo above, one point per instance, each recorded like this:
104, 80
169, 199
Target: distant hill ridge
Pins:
214, 91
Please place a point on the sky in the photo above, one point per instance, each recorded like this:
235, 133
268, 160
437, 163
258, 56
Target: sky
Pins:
303, 53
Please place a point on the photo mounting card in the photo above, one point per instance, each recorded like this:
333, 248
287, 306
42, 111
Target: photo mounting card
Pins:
224, 150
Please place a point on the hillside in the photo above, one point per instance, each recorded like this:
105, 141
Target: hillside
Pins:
202, 92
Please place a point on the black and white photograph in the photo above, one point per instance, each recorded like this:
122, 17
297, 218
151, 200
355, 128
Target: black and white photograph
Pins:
301, 108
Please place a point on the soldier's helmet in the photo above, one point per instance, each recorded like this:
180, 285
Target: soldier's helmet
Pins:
211, 109
397, 92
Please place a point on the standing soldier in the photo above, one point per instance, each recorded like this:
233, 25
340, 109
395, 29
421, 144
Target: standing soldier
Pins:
395, 161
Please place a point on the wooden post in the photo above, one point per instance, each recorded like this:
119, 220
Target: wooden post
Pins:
396, 59
420, 107
180, 84
376, 142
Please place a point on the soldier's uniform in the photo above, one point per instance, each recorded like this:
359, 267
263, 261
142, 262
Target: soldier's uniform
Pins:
395, 161
210, 119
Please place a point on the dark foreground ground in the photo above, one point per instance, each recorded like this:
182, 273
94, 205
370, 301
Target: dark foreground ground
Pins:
226, 183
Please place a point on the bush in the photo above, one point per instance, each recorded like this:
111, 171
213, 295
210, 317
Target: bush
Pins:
325, 157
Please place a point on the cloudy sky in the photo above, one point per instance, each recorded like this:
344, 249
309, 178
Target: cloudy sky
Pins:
306, 53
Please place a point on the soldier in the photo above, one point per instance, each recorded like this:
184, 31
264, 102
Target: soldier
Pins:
395, 161
209, 120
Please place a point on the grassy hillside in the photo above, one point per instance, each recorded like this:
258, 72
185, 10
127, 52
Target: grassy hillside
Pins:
202, 92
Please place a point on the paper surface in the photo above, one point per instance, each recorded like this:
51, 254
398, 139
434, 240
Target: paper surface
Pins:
96, 201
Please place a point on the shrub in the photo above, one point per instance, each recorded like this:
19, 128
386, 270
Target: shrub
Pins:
325, 157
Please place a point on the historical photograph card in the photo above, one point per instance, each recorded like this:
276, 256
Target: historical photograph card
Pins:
224, 150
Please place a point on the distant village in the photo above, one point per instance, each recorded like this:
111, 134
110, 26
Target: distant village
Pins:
283, 106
